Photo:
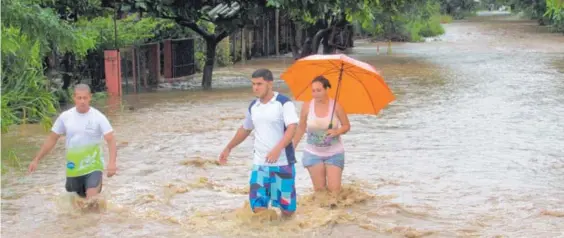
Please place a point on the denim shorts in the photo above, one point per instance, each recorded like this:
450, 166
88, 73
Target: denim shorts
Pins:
310, 159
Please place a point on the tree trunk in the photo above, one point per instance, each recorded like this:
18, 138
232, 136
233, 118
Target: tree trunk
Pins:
208, 66
321, 34
250, 41
264, 37
293, 40
307, 48
310, 46
212, 41
327, 49
350, 35
243, 45
277, 27
267, 37
67, 64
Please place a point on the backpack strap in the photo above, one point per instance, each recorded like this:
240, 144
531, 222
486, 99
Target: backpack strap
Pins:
290, 150
251, 106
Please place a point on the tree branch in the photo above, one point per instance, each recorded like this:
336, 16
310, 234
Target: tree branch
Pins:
201, 31
220, 18
221, 36
190, 24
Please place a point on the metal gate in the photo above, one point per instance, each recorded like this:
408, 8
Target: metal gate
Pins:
183, 60
140, 68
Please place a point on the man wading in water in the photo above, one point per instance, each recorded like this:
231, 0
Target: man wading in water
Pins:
84, 127
274, 119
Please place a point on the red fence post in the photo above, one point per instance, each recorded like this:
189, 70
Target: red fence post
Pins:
112, 63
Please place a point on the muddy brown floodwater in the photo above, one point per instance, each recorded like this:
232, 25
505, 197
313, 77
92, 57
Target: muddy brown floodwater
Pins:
472, 147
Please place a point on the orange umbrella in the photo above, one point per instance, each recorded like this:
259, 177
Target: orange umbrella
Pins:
357, 86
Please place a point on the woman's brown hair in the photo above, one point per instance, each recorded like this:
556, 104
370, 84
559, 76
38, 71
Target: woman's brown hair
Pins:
324, 81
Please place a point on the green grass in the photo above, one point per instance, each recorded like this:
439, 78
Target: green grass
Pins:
16, 154
445, 19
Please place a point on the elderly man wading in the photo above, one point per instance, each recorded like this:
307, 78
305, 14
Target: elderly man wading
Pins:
84, 128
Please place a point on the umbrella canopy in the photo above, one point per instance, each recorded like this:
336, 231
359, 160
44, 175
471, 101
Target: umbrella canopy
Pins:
357, 86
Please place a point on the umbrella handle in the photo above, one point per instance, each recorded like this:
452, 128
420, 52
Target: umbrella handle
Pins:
337, 94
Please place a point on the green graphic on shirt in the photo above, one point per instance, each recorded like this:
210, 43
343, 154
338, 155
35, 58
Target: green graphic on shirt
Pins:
84, 160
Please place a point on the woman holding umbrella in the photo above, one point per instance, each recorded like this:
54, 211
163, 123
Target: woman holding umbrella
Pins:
324, 153
360, 90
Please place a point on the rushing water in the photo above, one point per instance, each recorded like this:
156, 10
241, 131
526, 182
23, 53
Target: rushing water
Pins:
472, 147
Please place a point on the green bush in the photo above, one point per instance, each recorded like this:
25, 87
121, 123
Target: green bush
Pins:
131, 30
432, 27
410, 23
555, 14
224, 53
29, 33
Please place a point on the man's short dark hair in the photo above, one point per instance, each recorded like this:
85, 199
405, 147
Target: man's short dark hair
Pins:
263, 73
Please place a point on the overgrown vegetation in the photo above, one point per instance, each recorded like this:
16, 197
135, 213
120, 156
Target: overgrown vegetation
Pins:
546, 12
458, 9
555, 14
31, 35
412, 22
132, 29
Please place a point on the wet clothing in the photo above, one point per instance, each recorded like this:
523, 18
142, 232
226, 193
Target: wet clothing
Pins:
320, 148
82, 183
84, 135
275, 184
269, 121
310, 159
272, 182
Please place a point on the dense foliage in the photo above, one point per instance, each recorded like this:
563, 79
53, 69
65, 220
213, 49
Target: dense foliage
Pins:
555, 14
31, 33
546, 12
36, 31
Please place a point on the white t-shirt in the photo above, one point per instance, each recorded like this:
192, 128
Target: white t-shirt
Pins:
269, 121
84, 136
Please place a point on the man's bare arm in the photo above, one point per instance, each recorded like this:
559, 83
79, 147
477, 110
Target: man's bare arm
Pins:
112, 147
288, 136
47, 146
301, 128
239, 137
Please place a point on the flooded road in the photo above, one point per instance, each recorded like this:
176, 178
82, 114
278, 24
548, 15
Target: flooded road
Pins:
472, 147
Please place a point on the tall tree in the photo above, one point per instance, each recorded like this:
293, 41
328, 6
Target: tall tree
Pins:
212, 20
323, 20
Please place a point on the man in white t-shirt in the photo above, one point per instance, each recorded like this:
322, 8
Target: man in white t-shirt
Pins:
274, 119
84, 128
